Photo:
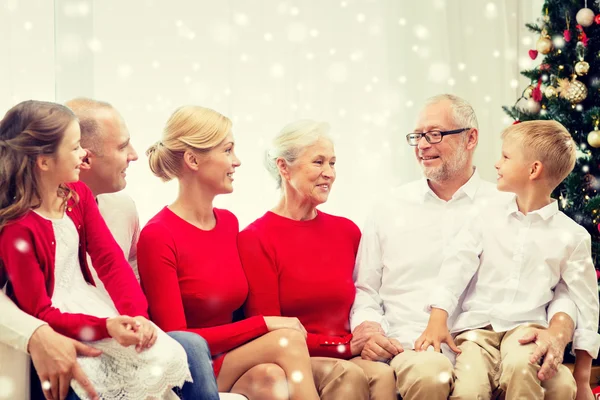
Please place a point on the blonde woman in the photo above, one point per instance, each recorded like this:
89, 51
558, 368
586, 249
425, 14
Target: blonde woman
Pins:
191, 273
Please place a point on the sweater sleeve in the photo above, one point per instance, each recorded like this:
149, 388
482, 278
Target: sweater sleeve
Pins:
157, 263
263, 297
28, 285
108, 260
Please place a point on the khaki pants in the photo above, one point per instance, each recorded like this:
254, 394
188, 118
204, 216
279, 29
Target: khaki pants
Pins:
356, 379
495, 365
424, 375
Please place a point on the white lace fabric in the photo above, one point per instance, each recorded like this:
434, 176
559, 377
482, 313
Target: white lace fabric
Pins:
120, 373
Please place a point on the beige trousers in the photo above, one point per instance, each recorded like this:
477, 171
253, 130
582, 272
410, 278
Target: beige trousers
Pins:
424, 375
495, 365
356, 379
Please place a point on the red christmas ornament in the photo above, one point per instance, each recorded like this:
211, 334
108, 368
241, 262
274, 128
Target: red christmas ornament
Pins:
567, 33
582, 36
518, 122
534, 53
544, 67
597, 274
536, 94
597, 19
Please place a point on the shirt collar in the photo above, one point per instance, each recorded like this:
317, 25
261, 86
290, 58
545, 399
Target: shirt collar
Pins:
544, 213
469, 188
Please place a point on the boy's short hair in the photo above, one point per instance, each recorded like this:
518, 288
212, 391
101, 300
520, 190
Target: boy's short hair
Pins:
548, 142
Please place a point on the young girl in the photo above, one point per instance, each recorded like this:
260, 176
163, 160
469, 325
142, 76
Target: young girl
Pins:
46, 228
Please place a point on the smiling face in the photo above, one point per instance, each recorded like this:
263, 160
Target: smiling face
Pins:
445, 159
513, 167
217, 167
64, 166
312, 175
109, 164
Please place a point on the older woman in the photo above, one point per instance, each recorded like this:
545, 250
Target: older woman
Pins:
299, 263
190, 268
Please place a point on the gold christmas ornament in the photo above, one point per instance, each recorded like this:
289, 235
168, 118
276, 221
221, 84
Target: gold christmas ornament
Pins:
528, 91
550, 92
544, 43
573, 90
593, 138
582, 68
585, 17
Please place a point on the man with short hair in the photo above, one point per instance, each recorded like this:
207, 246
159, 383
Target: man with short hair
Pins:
105, 136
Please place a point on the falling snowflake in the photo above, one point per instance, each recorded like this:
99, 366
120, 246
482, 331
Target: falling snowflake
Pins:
341, 349
22, 246
297, 32
277, 71
338, 73
444, 377
491, 11
86, 334
184, 31
280, 389
439, 4
297, 376
11, 5
421, 32
241, 19
439, 72
94, 45
283, 342
558, 41
356, 55
157, 370
7, 388
76, 9
124, 71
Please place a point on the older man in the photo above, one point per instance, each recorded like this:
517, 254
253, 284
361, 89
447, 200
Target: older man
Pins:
403, 246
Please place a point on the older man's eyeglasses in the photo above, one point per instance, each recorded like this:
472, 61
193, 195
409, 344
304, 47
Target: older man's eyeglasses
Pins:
432, 137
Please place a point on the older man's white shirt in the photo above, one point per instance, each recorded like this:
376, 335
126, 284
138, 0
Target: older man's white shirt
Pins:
403, 244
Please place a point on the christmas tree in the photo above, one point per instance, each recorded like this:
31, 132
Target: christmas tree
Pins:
565, 87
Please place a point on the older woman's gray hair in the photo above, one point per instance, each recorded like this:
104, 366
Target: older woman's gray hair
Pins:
291, 141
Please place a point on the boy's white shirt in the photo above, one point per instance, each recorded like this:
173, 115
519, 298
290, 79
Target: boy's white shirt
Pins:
17, 327
512, 269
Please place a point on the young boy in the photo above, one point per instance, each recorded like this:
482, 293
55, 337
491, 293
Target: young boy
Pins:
514, 265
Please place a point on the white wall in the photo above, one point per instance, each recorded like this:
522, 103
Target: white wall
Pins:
364, 66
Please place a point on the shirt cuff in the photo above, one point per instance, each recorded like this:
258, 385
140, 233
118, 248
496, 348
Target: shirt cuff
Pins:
20, 340
368, 315
444, 300
587, 340
563, 305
